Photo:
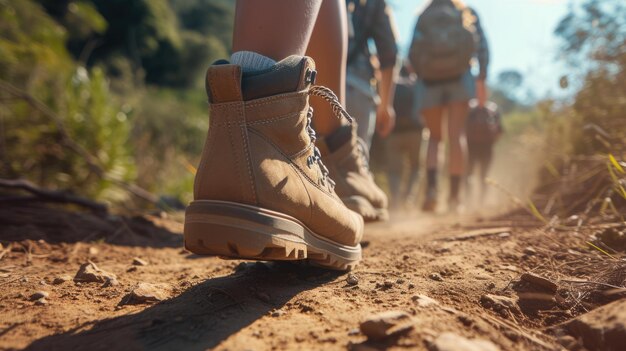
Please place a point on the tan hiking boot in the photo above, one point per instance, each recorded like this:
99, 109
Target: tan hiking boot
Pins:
261, 191
348, 164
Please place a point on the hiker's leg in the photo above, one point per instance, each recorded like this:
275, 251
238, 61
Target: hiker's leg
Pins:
239, 173
276, 29
484, 171
328, 47
341, 150
415, 145
470, 174
395, 168
458, 146
456, 133
433, 119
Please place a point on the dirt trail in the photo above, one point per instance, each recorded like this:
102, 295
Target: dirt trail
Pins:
436, 269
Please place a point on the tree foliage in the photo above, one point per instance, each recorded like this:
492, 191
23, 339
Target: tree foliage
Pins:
104, 68
593, 36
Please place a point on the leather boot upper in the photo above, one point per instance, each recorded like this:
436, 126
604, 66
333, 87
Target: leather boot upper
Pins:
348, 165
259, 149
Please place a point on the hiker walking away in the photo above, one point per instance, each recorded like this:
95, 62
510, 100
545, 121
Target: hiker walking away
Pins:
262, 191
447, 36
368, 99
347, 149
483, 129
404, 143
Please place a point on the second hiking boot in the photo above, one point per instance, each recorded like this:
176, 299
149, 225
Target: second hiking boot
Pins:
347, 159
261, 191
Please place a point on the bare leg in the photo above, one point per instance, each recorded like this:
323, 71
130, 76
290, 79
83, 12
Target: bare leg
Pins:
275, 29
433, 118
456, 133
328, 47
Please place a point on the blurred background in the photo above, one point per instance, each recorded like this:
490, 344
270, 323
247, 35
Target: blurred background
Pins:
105, 98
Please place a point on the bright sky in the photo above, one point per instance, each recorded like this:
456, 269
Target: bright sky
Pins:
520, 35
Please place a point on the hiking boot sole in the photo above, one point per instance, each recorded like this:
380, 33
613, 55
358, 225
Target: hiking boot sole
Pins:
236, 230
362, 206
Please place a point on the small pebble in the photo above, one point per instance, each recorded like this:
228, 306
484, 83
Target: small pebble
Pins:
139, 262
352, 279
388, 284
61, 279
436, 276
39, 295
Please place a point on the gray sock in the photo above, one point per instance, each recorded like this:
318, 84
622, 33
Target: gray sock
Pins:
251, 61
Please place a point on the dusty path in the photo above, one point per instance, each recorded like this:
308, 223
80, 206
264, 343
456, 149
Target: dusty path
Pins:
231, 305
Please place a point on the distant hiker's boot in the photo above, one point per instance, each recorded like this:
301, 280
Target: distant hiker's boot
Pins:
261, 191
348, 163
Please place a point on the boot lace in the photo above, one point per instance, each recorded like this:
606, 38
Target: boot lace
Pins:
339, 112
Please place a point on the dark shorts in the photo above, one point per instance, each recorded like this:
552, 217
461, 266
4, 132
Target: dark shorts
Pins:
429, 95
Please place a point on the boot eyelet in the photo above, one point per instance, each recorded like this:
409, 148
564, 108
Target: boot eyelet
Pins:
310, 75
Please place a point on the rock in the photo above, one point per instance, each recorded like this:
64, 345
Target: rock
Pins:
410, 285
539, 281
39, 295
131, 269
500, 304
435, 276
90, 273
352, 279
41, 302
601, 329
93, 251
424, 301
388, 284
110, 281
454, 342
146, 293
399, 281
386, 324
139, 262
61, 279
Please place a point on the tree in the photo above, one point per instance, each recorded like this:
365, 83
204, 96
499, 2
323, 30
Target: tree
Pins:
593, 37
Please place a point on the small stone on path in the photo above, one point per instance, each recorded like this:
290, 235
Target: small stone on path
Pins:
39, 295
352, 279
386, 324
61, 279
139, 262
436, 276
146, 293
90, 273
424, 301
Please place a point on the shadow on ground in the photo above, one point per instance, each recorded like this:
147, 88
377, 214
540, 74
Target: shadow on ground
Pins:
55, 224
199, 318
